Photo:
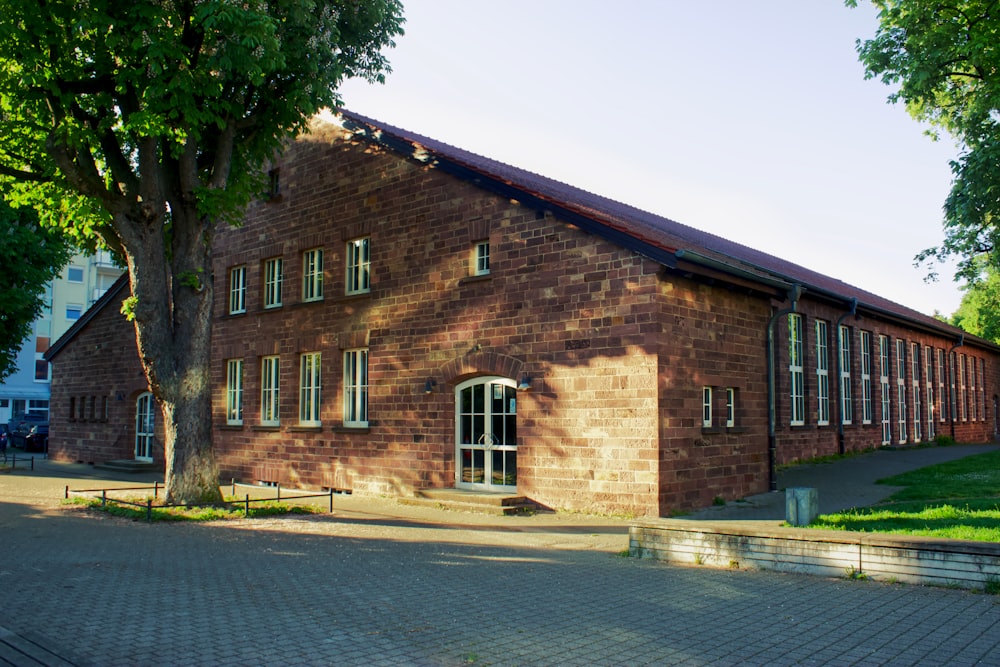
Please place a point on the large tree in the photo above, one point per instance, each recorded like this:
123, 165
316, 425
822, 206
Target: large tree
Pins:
979, 312
943, 57
148, 123
35, 255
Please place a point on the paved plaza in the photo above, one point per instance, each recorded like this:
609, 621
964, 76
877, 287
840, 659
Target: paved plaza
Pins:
378, 583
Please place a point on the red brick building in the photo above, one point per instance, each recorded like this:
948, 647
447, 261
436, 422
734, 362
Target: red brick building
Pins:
400, 314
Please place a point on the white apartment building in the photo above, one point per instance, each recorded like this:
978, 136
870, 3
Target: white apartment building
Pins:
82, 282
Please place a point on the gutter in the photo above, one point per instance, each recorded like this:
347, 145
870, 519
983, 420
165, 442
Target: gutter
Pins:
772, 439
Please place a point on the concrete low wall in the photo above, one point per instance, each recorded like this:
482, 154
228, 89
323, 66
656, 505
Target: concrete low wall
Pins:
919, 560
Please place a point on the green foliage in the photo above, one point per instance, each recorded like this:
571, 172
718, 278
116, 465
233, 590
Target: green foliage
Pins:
943, 61
232, 509
955, 500
35, 255
91, 99
979, 312
143, 125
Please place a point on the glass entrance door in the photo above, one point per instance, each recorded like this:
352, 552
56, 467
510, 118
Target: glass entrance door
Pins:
144, 427
486, 425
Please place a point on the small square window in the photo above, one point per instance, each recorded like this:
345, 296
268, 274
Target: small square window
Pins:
74, 274
73, 311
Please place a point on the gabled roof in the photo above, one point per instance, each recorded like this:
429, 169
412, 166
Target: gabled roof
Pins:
661, 239
114, 291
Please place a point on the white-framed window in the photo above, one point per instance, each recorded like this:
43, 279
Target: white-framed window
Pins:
234, 391
706, 406
866, 377
982, 388
822, 373
846, 394
973, 372
269, 383
929, 386
481, 258
901, 389
74, 274
915, 366
274, 276
359, 266
796, 373
884, 369
237, 290
942, 396
312, 275
963, 410
309, 389
73, 311
356, 388
730, 407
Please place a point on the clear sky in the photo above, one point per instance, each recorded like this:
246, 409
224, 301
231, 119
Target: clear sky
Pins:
751, 120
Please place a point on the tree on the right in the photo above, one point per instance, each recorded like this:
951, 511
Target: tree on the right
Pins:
943, 59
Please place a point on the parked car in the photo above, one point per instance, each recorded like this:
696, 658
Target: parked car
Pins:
37, 439
22, 426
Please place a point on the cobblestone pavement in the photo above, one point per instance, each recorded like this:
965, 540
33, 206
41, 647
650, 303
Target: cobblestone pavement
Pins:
377, 583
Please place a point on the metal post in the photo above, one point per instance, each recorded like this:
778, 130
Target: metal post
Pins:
246, 512
156, 489
104, 497
233, 493
66, 497
331, 501
149, 509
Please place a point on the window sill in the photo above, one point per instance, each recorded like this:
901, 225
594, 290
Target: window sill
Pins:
230, 427
486, 277
271, 428
353, 297
305, 429
351, 429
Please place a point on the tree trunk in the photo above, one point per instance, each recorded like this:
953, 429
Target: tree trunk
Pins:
173, 292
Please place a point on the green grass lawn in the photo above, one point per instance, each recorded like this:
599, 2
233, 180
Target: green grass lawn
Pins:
956, 500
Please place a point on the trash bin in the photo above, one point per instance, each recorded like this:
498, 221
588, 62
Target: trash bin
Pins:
801, 505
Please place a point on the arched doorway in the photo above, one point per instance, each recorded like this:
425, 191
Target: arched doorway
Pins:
486, 434
144, 427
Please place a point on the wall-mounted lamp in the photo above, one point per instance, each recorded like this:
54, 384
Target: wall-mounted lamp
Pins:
524, 384
429, 385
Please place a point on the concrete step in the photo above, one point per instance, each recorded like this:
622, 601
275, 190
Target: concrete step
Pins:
461, 500
130, 465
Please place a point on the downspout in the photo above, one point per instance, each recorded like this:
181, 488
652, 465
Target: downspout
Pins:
952, 379
772, 439
840, 379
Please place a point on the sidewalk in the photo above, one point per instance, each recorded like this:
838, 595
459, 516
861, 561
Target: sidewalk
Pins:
380, 583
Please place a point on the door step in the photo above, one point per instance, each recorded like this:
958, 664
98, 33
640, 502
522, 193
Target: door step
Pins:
461, 500
130, 465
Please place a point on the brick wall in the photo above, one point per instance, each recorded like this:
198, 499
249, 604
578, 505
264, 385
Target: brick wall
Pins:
575, 313
95, 384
